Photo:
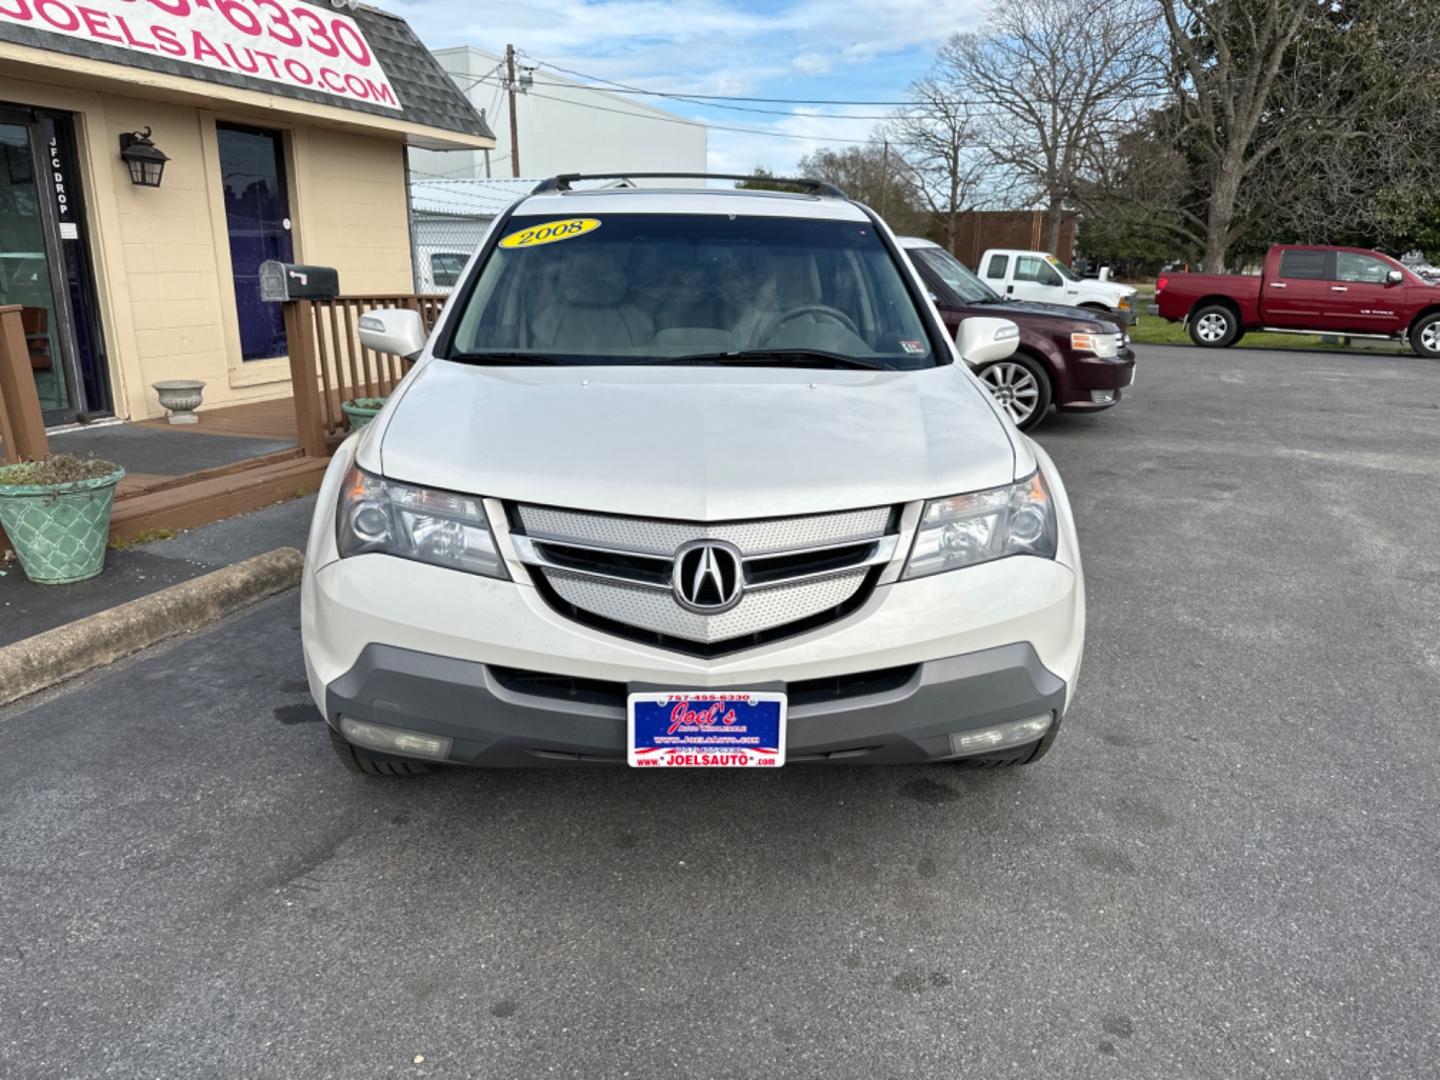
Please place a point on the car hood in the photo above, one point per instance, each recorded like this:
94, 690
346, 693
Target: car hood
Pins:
1010, 308
1112, 289
695, 443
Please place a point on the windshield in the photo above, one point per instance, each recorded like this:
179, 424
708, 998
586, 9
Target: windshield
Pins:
1064, 270
651, 288
962, 281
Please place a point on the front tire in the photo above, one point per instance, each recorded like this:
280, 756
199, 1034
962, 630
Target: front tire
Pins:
359, 760
1425, 336
1214, 327
1021, 387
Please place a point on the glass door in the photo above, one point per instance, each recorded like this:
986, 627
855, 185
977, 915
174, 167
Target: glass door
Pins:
25, 271
45, 267
257, 217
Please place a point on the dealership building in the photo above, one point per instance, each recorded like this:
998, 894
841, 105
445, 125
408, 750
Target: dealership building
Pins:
154, 152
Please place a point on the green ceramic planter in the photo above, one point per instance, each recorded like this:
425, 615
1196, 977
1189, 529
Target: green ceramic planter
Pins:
59, 530
362, 410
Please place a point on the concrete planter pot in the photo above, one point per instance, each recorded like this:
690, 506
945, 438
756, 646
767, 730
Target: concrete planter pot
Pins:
360, 411
59, 530
181, 397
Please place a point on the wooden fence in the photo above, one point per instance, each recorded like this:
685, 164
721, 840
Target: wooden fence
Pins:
22, 428
328, 364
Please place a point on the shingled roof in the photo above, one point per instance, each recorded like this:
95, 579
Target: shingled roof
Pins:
427, 95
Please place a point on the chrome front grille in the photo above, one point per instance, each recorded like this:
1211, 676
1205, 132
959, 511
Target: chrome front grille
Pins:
660, 537
620, 572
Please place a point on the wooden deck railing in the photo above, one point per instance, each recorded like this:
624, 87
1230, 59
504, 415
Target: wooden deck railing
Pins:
22, 428
329, 365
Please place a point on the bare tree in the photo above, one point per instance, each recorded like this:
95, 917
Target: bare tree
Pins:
873, 175
1056, 81
1227, 56
935, 141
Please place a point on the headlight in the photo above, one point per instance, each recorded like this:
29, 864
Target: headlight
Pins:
437, 527
1106, 346
1124, 304
963, 530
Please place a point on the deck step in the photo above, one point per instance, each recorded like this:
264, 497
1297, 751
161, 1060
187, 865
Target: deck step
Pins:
206, 497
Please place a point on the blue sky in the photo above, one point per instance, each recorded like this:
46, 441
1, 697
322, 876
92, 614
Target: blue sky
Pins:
851, 49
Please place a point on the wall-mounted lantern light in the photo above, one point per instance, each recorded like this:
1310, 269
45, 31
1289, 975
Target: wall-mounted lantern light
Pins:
144, 159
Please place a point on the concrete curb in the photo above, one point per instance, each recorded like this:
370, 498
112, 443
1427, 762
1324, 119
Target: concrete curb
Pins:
39, 662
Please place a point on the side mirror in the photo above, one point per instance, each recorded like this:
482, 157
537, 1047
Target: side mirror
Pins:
1394, 277
983, 341
393, 330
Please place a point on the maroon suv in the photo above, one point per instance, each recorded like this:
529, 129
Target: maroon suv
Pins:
1072, 358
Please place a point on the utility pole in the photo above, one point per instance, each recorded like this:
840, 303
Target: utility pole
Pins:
486, 152
514, 126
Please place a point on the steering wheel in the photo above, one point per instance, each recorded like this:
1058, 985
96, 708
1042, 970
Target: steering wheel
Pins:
807, 309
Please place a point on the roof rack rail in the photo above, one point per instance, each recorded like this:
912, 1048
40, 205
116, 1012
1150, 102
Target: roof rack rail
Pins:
812, 187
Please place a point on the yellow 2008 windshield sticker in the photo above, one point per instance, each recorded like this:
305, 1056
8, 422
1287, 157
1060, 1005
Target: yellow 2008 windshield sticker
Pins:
550, 232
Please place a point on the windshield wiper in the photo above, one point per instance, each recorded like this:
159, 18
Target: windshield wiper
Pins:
499, 357
783, 358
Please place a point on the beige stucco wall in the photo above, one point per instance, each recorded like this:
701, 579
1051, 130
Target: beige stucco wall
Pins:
162, 256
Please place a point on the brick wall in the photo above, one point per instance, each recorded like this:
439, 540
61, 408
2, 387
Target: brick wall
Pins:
981, 230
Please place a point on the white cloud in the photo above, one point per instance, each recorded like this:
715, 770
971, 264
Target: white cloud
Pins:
811, 64
808, 130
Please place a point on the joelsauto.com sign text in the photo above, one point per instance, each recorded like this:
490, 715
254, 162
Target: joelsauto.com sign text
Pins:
294, 43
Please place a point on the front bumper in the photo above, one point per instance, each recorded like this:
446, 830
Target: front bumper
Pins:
423, 649
498, 718
1086, 374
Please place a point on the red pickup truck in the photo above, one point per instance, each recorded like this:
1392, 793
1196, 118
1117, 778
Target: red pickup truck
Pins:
1306, 289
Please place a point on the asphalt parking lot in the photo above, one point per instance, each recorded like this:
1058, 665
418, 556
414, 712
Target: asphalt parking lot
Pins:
1226, 868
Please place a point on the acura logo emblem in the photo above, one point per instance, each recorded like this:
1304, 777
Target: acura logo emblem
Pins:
708, 576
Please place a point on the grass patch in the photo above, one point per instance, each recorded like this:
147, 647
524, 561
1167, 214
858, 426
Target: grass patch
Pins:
149, 536
1156, 331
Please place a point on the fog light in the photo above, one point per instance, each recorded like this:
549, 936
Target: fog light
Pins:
1103, 397
389, 740
1001, 736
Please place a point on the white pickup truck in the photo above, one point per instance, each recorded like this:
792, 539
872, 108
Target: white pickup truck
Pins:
1038, 275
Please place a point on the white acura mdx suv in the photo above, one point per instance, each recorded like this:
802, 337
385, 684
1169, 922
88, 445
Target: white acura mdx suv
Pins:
690, 478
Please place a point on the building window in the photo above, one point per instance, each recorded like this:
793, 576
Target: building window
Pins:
445, 268
257, 217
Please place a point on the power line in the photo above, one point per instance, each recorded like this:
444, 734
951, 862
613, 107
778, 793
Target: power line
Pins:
627, 88
913, 109
702, 124
715, 100
708, 104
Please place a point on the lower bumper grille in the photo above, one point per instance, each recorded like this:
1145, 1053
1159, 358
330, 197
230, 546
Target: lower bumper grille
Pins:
612, 694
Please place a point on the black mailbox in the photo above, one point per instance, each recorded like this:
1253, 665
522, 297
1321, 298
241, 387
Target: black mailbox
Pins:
292, 281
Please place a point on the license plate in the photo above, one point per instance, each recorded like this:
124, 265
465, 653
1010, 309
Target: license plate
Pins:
686, 730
